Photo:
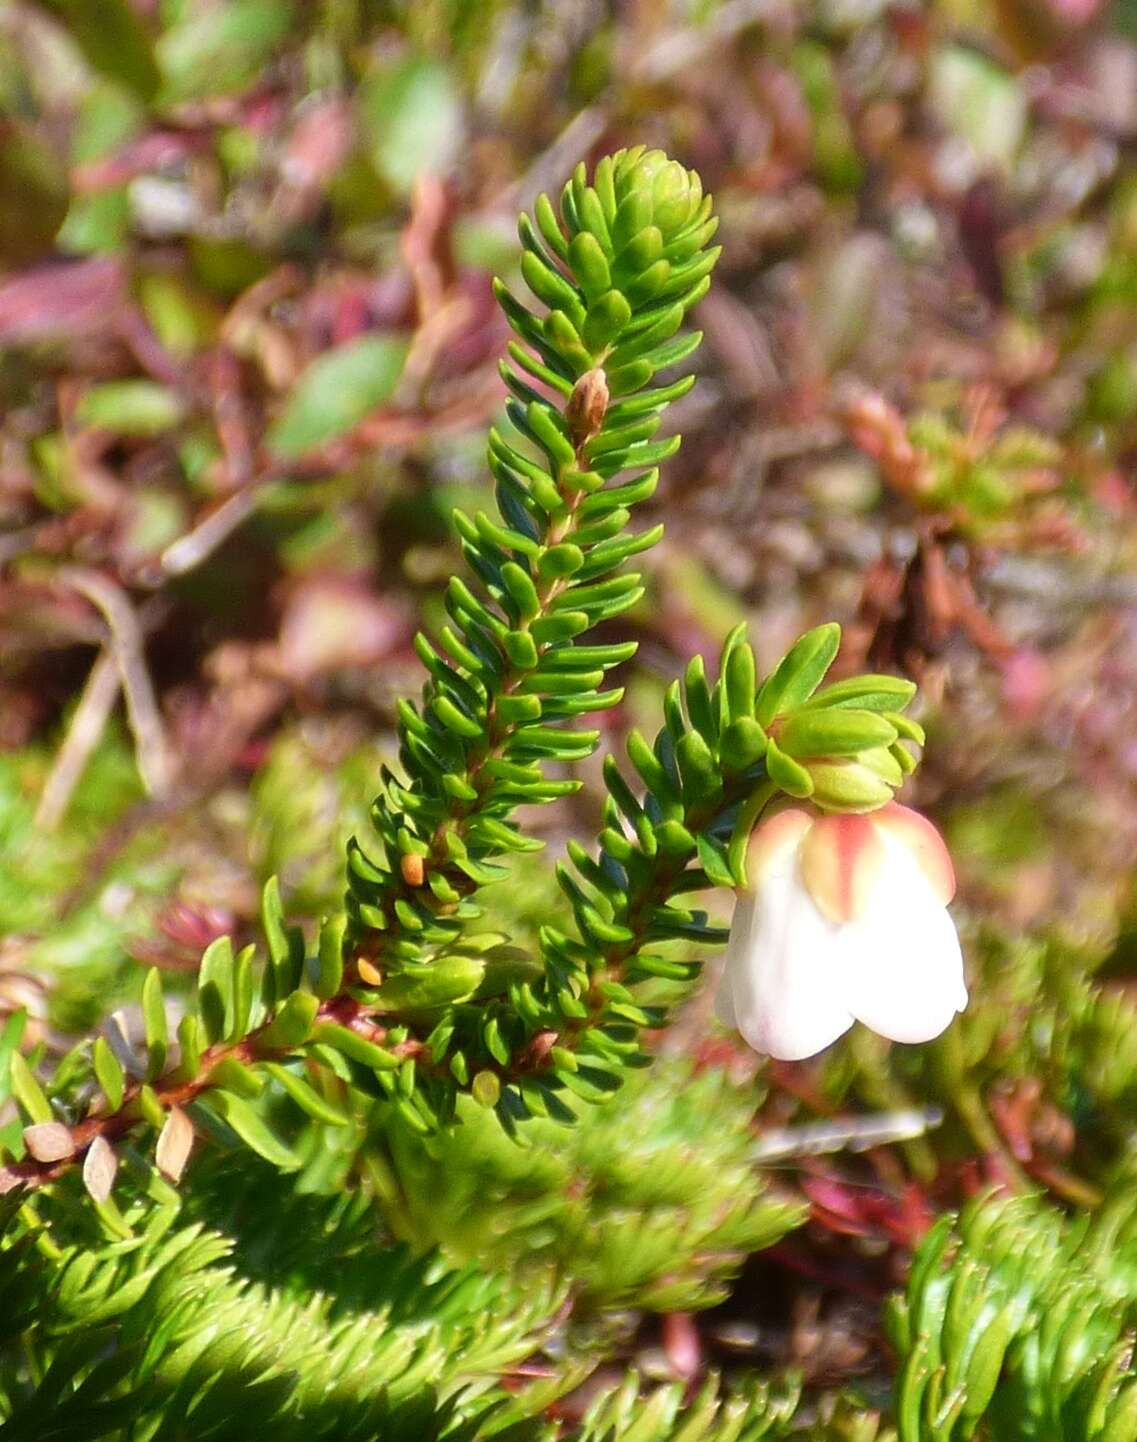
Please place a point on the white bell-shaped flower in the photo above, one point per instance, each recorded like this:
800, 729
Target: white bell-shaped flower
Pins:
844, 919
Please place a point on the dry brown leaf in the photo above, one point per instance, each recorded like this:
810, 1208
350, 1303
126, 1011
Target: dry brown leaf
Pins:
49, 1141
174, 1144
99, 1168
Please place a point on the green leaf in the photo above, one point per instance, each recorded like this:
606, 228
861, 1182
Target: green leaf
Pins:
740, 683
867, 693
448, 979
33, 194
1122, 1421
986, 1364
215, 988
119, 1301
674, 840
486, 1089
305, 1096
285, 943
113, 40
413, 114
218, 50
521, 649
589, 265
549, 286
455, 720
546, 425
905, 726
793, 779
559, 561
192, 1042
651, 771
839, 731
521, 590
130, 408
986, 105
251, 1127
713, 860
328, 979
242, 991
150, 1107
10, 1035
336, 392
698, 772
560, 627
607, 317
234, 1076
799, 673
154, 1022
549, 226
293, 1022
354, 1046
743, 744
697, 695
28, 1092
109, 1073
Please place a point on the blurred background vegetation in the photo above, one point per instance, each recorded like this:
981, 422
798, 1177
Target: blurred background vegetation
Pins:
248, 357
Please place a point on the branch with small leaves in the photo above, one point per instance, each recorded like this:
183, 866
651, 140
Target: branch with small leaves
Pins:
402, 1000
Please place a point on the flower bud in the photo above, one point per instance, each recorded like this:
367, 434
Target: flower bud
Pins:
672, 193
847, 784
587, 406
675, 194
855, 783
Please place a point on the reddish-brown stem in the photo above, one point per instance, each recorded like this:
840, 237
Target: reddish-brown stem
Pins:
173, 1090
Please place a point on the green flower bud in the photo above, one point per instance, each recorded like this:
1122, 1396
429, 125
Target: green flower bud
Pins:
676, 196
881, 762
672, 194
840, 745
854, 783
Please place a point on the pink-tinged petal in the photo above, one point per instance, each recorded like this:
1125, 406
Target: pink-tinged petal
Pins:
900, 965
840, 860
925, 844
739, 927
772, 839
724, 1001
743, 926
783, 994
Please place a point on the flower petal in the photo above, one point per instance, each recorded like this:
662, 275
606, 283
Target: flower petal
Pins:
783, 994
925, 844
772, 839
724, 996
900, 967
841, 857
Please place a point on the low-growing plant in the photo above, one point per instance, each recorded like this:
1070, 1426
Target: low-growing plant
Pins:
393, 1178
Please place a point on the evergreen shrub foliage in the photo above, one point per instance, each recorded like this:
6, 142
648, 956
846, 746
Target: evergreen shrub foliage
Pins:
385, 1182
